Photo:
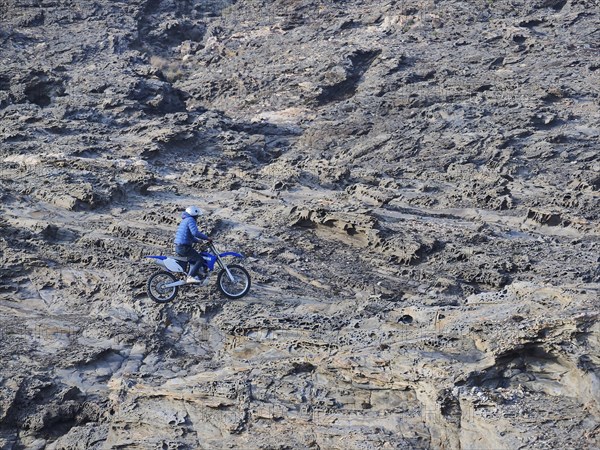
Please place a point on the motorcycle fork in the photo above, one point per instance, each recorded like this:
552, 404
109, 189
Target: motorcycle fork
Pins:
222, 265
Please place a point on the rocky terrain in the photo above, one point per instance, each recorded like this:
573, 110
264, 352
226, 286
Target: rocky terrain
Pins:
415, 185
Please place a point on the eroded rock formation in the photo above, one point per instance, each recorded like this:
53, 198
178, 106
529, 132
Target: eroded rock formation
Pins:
415, 185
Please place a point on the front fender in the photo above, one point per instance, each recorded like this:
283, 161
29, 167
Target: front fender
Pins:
233, 254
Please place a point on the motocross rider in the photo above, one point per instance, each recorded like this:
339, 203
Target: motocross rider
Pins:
188, 233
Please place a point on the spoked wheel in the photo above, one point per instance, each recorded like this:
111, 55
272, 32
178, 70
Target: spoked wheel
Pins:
156, 287
240, 284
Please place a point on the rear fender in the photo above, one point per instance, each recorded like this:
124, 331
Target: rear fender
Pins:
168, 263
160, 260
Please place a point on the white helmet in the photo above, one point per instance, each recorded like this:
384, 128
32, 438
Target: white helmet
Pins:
193, 211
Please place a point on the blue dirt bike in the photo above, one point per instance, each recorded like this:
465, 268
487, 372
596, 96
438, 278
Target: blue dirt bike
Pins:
232, 280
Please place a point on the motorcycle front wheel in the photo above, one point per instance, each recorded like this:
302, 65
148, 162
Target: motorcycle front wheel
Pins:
156, 287
240, 284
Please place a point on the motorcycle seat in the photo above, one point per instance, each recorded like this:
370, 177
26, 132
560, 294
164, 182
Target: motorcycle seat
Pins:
181, 258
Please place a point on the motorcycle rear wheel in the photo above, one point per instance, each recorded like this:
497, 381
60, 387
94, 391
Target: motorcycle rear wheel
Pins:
156, 289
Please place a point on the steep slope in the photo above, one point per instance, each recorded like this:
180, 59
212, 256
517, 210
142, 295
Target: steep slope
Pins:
415, 185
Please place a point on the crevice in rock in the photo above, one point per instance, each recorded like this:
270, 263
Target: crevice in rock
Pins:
41, 89
360, 62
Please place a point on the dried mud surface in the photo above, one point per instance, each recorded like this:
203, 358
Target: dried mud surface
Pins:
415, 186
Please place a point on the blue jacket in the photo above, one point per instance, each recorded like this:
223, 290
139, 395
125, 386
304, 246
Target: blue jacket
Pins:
187, 232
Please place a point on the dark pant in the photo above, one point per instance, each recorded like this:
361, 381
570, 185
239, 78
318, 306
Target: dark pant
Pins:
195, 257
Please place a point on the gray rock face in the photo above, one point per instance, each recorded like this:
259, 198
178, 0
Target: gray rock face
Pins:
415, 186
